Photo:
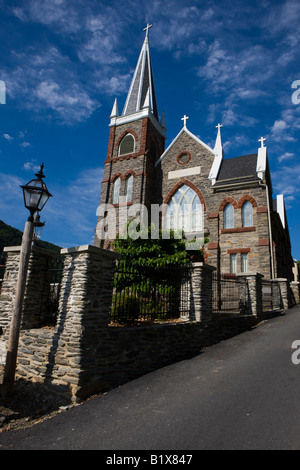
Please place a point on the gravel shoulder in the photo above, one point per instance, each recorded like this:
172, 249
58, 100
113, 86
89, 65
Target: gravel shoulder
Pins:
30, 404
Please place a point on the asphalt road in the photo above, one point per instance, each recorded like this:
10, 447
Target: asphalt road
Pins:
240, 394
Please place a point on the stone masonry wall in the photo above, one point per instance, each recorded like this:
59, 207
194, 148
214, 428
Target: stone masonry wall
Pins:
84, 355
37, 287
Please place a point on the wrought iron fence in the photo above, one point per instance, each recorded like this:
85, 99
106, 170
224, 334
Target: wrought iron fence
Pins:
51, 290
230, 295
144, 293
271, 297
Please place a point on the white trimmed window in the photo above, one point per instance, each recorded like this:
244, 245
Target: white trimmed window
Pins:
127, 145
184, 211
116, 191
129, 188
247, 214
244, 262
233, 263
228, 216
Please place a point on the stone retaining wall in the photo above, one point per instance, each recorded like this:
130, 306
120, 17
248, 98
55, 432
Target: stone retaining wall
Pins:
83, 355
37, 287
119, 355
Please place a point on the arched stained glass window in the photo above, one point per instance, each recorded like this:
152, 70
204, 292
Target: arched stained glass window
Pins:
129, 188
127, 145
184, 211
228, 216
247, 214
116, 191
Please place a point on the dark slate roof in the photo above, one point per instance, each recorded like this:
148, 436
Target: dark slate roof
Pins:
237, 170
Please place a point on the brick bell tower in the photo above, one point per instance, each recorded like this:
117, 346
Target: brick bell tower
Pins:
136, 141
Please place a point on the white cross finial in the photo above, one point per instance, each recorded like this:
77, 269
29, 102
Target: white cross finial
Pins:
219, 127
147, 29
261, 140
184, 119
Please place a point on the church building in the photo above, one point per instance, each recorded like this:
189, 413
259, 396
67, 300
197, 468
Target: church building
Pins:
230, 200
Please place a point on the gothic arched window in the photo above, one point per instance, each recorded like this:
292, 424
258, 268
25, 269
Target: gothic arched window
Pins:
127, 145
184, 211
228, 216
247, 214
129, 188
116, 191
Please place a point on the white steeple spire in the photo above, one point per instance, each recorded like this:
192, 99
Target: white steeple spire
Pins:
115, 111
261, 164
218, 145
219, 155
142, 83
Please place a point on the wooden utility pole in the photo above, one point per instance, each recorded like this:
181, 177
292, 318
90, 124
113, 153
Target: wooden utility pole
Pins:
14, 333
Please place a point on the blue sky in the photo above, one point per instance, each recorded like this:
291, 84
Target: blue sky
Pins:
65, 61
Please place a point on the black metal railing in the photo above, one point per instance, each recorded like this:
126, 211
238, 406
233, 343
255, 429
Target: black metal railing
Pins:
51, 290
147, 294
230, 295
271, 296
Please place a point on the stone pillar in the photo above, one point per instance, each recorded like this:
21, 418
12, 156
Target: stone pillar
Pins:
37, 287
254, 284
285, 298
295, 288
201, 292
83, 317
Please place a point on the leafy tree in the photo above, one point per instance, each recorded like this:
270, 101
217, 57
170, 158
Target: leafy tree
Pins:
148, 279
146, 251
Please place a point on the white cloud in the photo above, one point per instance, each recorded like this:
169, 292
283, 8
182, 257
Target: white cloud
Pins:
48, 80
58, 13
31, 166
286, 127
285, 156
8, 137
24, 145
72, 104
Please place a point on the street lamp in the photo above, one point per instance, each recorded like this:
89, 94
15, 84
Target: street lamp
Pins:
38, 227
35, 195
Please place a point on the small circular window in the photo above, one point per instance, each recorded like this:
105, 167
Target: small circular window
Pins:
183, 158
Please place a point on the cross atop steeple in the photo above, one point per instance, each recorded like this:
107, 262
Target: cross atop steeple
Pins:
261, 140
219, 127
184, 119
142, 83
147, 29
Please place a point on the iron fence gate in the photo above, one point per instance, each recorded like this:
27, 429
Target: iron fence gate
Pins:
230, 296
144, 293
51, 290
271, 298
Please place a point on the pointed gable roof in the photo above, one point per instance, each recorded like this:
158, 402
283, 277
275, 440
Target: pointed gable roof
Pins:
190, 134
142, 83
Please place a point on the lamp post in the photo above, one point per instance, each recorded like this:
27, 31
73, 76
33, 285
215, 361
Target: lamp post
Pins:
36, 195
